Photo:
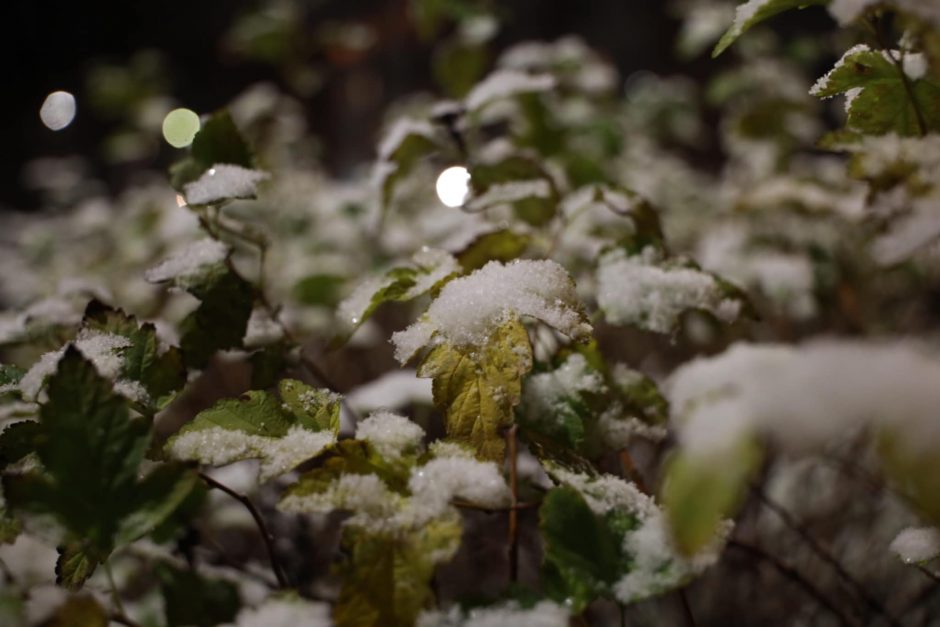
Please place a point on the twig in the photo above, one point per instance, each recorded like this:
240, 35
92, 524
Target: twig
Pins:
874, 25
259, 521
793, 575
826, 556
929, 573
483, 508
513, 510
630, 471
119, 615
686, 608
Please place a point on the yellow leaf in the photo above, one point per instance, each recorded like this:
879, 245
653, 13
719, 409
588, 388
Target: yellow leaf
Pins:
477, 386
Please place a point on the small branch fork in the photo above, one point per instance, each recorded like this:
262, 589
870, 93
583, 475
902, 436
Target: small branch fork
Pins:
259, 521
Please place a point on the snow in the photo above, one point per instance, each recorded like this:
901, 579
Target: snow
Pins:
189, 264
102, 349
915, 545
393, 390
222, 182
391, 435
909, 233
618, 431
285, 612
744, 13
656, 566
432, 266
505, 84
546, 395
915, 65
508, 193
375, 507
132, 391
399, 131
543, 614
458, 476
823, 83
217, 446
847, 11
469, 308
637, 291
807, 396
262, 330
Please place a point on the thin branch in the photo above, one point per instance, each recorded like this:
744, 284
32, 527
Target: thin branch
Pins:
458, 503
686, 608
929, 573
259, 521
630, 471
513, 510
119, 615
793, 575
826, 556
875, 26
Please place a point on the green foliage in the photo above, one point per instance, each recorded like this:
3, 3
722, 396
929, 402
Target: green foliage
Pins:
763, 10
218, 141
220, 321
883, 99
190, 599
161, 374
386, 579
698, 493
583, 551
502, 245
91, 450
477, 387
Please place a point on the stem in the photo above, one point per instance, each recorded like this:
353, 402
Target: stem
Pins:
623, 614
929, 573
793, 575
259, 521
875, 25
514, 508
686, 608
630, 471
115, 595
481, 508
826, 556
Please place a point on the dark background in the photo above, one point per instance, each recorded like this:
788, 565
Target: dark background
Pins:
50, 44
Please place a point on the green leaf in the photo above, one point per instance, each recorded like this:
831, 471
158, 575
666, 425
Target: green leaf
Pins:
752, 13
9, 527
220, 321
218, 141
350, 457
319, 289
19, 440
428, 271
880, 102
91, 450
699, 492
477, 386
487, 179
161, 374
502, 245
406, 144
190, 599
458, 66
282, 432
77, 562
583, 555
386, 580
78, 611
914, 470
267, 365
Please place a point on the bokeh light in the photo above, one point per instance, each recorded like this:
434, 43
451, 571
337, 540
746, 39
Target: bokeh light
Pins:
58, 110
180, 127
453, 186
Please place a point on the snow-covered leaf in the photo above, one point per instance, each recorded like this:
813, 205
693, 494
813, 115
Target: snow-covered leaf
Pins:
224, 182
753, 12
282, 432
477, 386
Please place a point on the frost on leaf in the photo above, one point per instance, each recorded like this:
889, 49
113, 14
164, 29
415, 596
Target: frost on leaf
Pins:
402, 526
217, 142
221, 320
282, 432
517, 181
751, 13
224, 182
405, 143
652, 293
877, 97
603, 537
428, 269
582, 406
503, 84
477, 386
91, 451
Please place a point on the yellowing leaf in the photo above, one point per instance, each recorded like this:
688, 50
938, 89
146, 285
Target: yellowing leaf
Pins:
477, 386
699, 492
